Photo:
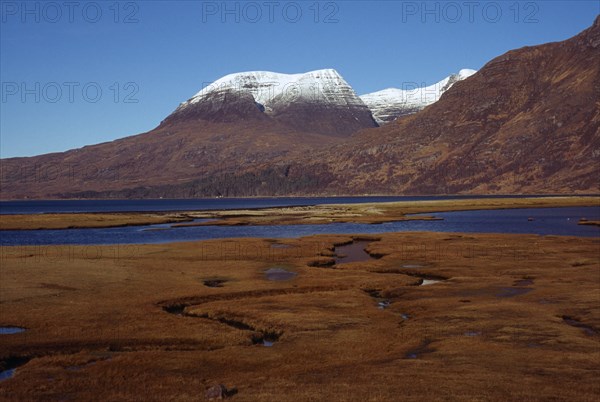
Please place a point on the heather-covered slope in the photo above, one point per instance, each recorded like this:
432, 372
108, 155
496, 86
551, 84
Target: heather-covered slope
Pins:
527, 122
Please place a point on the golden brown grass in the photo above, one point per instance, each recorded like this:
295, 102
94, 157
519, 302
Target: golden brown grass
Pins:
85, 220
586, 222
97, 328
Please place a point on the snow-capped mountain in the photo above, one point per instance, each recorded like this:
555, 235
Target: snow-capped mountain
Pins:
271, 89
504, 130
317, 101
391, 103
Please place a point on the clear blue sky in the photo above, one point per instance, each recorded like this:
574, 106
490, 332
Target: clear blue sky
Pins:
55, 57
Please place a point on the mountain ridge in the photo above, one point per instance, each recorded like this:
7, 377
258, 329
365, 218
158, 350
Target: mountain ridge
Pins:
527, 122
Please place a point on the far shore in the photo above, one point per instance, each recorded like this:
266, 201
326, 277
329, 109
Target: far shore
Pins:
368, 213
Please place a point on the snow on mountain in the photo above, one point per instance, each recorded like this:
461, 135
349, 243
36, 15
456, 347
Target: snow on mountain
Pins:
388, 104
314, 102
298, 99
271, 90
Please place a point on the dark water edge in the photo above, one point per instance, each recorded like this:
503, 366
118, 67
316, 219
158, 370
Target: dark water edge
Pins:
162, 205
541, 221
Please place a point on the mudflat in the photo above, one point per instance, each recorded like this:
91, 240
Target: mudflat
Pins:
317, 214
502, 317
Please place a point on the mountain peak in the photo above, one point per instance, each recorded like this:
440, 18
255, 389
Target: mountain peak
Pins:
391, 103
318, 101
268, 87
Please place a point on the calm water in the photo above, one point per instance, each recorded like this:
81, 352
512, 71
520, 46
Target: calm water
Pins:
39, 207
547, 221
11, 330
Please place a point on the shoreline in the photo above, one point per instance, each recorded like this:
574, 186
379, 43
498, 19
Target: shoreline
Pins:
540, 195
369, 213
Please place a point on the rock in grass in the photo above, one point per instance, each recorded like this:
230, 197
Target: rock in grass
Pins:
218, 391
